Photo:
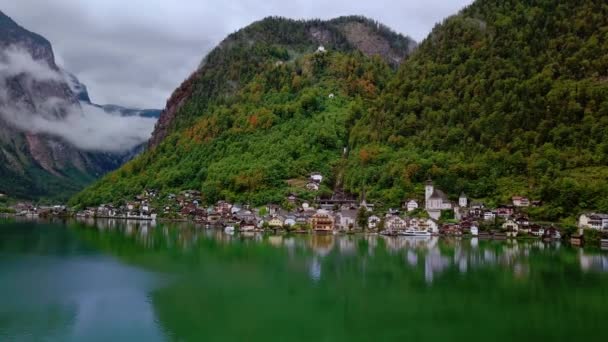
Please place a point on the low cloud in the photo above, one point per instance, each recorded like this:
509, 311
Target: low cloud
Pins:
15, 61
85, 126
91, 128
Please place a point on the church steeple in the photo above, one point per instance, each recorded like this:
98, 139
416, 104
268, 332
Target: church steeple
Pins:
428, 191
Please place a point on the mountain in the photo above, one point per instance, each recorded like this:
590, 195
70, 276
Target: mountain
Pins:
263, 109
237, 59
82, 94
504, 98
35, 162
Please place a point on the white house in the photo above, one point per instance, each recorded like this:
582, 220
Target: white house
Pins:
394, 223
373, 222
489, 215
593, 221
463, 201
474, 230
312, 186
321, 49
316, 177
520, 201
346, 219
411, 205
290, 221
511, 227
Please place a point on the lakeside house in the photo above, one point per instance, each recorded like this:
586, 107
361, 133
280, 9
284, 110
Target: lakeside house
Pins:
276, 222
338, 213
373, 222
511, 227
322, 221
394, 223
595, 221
346, 219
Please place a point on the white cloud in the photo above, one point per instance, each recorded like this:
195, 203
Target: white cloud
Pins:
86, 127
15, 61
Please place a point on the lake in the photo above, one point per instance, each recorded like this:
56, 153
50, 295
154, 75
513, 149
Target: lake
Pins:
139, 281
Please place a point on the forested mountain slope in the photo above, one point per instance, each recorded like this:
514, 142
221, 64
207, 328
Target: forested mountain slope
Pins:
504, 98
264, 109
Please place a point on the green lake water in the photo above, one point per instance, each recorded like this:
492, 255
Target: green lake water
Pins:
118, 281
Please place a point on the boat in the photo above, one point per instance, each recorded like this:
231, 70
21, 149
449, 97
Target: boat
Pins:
229, 230
416, 232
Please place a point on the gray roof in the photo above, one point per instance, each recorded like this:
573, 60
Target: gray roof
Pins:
438, 194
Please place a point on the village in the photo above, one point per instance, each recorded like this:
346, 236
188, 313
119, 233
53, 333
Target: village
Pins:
435, 215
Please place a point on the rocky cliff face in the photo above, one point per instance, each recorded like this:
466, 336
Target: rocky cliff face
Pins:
34, 164
272, 34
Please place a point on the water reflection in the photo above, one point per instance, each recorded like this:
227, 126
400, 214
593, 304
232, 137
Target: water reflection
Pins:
136, 280
431, 255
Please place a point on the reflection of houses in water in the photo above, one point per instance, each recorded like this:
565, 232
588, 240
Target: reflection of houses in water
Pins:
434, 263
275, 240
346, 245
593, 262
412, 258
372, 244
315, 269
322, 244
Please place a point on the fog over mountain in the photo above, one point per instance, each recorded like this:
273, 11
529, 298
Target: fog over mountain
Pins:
84, 125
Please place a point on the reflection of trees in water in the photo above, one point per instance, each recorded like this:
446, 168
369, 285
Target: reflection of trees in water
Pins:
231, 287
432, 256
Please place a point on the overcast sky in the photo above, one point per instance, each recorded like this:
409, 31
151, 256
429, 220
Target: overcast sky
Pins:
136, 52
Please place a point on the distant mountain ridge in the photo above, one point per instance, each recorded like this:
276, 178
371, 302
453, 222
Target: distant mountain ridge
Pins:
40, 165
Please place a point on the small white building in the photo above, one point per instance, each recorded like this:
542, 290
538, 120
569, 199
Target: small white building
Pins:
373, 222
321, 49
463, 201
312, 186
290, 221
520, 201
411, 205
316, 177
511, 227
489, 215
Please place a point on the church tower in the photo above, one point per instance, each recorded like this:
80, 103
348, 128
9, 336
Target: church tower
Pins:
428, 191
463, 201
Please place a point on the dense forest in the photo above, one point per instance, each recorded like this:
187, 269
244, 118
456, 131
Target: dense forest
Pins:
504, 98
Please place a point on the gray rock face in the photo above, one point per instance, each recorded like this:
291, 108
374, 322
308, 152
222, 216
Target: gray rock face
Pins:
34, 164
